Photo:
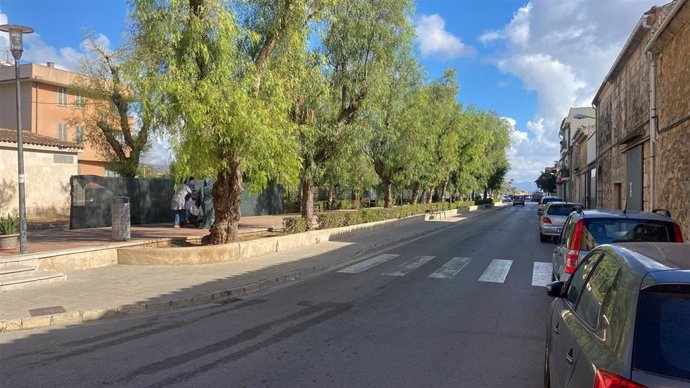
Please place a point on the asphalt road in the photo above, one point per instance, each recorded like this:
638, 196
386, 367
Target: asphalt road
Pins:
455, 309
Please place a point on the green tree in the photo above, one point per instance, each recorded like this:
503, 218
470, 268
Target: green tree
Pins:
547, 181
393, 125
359, 39
221, 90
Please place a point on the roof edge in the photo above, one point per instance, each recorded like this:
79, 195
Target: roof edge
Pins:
662, 28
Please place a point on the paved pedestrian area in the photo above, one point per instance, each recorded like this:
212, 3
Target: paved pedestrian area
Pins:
64, 239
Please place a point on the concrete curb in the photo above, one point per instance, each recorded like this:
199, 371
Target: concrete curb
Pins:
81, 316
246, 249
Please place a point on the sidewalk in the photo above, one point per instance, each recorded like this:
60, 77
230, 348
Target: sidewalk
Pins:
58, 239
125, 290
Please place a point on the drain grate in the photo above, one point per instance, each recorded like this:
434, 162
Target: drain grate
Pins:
47, 311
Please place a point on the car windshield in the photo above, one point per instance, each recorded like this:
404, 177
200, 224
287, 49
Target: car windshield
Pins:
559, 210
662, 338
606, 231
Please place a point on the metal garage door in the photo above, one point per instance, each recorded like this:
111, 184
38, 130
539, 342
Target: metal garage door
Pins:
634, 177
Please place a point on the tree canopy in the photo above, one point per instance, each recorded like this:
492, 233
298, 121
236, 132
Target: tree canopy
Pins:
321, 92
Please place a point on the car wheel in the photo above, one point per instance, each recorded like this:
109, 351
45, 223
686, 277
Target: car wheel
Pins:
542, 238
547, 370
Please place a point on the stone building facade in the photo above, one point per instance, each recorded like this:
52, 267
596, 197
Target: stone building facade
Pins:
642, 146
670, 47
583, 156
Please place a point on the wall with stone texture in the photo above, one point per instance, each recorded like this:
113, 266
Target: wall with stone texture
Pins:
622, 110
673, 142
47, 181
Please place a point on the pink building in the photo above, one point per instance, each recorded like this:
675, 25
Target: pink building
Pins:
48, 104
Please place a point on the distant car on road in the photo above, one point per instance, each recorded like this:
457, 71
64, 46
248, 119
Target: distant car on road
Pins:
518, 200
506, 199
553, 217
622, 319
585, 229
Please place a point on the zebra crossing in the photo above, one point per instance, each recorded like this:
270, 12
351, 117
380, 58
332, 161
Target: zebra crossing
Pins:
495, 272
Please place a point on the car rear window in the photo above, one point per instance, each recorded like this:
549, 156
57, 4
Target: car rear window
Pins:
606, 231
662, 331
559, 210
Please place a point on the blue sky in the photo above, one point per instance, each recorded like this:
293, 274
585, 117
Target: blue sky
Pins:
529, 61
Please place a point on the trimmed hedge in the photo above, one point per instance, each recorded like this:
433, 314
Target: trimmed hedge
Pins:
294, 224
338, 219
484, 201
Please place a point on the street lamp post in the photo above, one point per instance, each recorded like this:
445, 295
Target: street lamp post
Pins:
17, 48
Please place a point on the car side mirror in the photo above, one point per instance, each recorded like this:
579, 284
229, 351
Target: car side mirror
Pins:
555, 289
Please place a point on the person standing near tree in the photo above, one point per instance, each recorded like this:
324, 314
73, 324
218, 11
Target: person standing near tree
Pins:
178, 202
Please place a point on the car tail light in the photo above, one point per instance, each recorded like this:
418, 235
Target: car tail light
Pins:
571, 261
606, 379
546, 220
678, 233
574, 252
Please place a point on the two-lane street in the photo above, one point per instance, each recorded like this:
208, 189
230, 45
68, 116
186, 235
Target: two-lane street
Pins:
464, 307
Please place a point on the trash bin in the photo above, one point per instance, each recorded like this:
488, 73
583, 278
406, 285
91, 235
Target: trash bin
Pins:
119, 215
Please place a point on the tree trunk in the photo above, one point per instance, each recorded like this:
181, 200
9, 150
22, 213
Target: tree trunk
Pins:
307, 201
331, 195
388, 199
430, 198
358, 199
415, 193
227, 193
443, 192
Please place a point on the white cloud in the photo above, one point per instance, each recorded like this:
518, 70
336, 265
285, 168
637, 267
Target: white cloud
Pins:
36, 50
160, 151
433, 38
561, 51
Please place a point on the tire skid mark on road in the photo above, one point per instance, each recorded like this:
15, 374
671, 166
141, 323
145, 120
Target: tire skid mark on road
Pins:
96, 343
331, 309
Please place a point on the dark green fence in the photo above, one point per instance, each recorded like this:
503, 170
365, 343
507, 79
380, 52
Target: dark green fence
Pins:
149, 199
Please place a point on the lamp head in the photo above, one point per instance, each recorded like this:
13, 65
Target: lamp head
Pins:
16, 38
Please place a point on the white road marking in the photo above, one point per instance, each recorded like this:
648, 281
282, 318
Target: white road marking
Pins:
451, 268
497, 271
409, 266
541, 274
367, 264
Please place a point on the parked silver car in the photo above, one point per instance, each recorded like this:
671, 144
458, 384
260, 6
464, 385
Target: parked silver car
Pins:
552, 218
544, 200
585, 229
622, 319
